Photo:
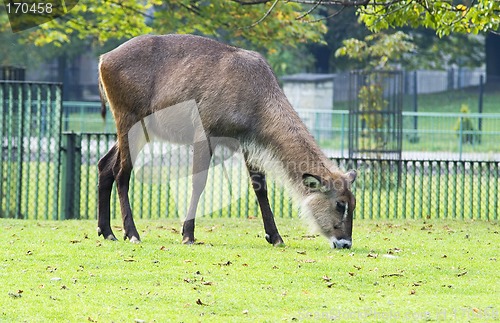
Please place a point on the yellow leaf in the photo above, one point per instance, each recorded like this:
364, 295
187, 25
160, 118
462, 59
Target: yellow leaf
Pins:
461, 7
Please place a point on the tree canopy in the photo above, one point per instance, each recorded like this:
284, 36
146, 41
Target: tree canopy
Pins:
270, 26
265, 23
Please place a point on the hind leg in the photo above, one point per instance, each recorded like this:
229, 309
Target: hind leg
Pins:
105, 184
122, 178
201, 162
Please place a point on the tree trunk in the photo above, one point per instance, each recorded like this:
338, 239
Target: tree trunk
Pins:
492, 58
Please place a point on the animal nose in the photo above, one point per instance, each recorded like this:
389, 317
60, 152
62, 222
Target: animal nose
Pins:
341, 244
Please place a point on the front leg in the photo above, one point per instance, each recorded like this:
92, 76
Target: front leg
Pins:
202, 155
260, 187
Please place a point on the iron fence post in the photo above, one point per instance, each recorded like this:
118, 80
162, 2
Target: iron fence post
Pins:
71, 168
460, 138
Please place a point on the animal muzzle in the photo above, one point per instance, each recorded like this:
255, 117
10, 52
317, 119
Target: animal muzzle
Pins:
341, 243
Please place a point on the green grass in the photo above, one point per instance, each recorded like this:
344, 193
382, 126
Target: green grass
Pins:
397, 271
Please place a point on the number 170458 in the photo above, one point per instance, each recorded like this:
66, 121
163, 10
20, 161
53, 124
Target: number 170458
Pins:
37, 8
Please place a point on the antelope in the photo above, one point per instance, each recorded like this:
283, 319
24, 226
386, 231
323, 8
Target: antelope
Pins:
237, 96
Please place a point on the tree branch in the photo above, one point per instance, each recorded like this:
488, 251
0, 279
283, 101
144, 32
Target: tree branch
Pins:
265, 16
251, 2
310, 10
336, 13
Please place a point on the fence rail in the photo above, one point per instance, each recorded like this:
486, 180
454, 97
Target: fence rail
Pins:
385, 189
449, 170
426, 135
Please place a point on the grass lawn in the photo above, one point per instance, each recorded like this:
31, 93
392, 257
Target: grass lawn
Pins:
397, 271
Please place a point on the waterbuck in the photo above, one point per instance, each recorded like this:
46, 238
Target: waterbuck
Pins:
237, 96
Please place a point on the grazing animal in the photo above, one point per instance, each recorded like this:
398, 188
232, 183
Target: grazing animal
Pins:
238, 96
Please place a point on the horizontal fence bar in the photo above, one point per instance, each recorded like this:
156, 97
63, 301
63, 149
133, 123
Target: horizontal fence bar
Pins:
426, 135
384, 189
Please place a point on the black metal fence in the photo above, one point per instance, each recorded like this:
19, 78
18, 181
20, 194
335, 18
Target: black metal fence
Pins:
30, 126
384, 189
48, 175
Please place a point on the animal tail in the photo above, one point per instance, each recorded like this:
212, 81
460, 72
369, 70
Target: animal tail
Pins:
102, 96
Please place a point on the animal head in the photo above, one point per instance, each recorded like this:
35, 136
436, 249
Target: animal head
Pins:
330, 205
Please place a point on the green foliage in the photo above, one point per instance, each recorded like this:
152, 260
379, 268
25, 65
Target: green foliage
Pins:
371, 104
465, 128
379, 51
433, 52
445, 17
275, 28
102, 21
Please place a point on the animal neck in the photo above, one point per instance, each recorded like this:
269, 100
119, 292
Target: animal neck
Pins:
291, 149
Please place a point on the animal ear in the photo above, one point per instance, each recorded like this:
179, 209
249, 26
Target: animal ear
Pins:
315, 183
351, 176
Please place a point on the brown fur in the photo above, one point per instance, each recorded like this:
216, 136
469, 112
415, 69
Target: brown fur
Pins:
238, 96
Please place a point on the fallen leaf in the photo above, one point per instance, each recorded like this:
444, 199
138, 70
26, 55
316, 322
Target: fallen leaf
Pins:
372, 255
207, 283
15, 295
413, 292
199, 302
227, 263
129, 260
308, 261
394, 250
75, 241
301, 252
326, 278
244, 312
462, 274
392, 275
330, 284
310, 236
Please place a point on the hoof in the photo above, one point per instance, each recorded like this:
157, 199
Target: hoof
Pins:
111, 237
187, 240
108, 236
135, 240
275, 240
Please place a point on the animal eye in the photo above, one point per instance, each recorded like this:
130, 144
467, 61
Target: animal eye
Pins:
341, 206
